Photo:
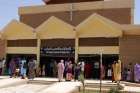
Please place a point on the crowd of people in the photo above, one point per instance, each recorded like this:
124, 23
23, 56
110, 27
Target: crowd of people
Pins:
18, 67
68, 70
132, 73
21, 67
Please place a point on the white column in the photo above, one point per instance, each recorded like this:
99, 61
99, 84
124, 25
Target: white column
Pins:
38, 51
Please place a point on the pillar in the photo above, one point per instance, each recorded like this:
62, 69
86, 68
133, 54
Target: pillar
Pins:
38, 51
76, 49
5, 48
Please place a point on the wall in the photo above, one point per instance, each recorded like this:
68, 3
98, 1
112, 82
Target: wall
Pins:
130, 50
22, 43
2, 48
98, 42
68, 1
58, 43
119, 15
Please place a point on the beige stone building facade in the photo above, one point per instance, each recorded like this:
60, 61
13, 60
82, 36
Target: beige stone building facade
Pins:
84, 27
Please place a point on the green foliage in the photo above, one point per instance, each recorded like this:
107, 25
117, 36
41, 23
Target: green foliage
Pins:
114, 90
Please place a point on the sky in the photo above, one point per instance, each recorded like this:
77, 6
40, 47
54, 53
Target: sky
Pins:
9, 10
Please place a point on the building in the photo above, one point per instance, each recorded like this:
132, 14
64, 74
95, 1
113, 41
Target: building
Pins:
79, 30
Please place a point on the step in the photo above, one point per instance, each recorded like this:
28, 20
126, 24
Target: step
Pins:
131, 84
104, 85
104, 90
41, 82
97, 90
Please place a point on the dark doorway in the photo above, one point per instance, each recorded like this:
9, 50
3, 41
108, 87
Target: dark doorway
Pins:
48, 65
92, 64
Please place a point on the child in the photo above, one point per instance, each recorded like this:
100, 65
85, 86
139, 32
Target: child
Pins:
128, 78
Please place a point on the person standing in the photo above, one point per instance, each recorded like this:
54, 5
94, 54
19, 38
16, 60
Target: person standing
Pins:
124, 74
119, 77
31, 65
36, 66
55, 69
109, 72
96, 70
60, 70
66, 68
117, 71
1, 64
102, 71
23, 68
131, 74
77, 71
137, 72
82, 67
69, 72
128, 77
12, 68
114, 75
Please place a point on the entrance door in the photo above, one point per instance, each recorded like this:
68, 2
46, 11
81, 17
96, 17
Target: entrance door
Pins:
92, 65
108, 60
48, 64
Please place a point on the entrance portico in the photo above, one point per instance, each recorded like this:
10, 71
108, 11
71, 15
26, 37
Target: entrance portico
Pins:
57, 40
20, 40
97, 34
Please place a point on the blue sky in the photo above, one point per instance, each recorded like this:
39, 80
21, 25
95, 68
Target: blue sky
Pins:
9, 10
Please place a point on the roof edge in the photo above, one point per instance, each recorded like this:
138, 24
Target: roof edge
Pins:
77, 6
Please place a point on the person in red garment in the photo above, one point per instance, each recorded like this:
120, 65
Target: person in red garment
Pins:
12, 67
88, 69
69, 72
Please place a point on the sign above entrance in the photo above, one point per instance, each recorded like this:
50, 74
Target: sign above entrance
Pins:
57, 50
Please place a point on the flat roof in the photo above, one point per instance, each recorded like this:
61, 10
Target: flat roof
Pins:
131, 29
76, 6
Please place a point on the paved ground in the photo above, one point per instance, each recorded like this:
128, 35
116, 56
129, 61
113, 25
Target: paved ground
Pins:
4, 77
25, 88
132, 89
7, 82
17, 85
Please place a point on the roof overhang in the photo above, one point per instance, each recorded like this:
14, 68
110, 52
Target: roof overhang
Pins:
54, 28
17, 30
98, 26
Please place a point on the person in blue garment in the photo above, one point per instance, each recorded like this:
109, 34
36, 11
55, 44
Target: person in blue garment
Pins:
23, 68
